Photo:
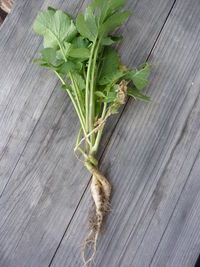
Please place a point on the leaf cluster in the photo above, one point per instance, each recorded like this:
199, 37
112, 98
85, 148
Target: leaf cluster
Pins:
80, 52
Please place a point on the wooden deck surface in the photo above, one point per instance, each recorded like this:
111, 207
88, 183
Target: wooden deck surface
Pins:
149, 152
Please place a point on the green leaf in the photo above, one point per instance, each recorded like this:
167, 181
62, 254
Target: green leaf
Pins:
109, 40
70, 31
136, 94
82, 53
78, 64
97, 108
48, 54
55, 9
59, 62
83, 29
111, 96
91, 21
110, 62
100, 94
140, 77
106, 8
67, 48
40, 60
114, 111
59, 55
51, 8
64, 53
113, 22
111, 77
103, 8
47, 65
80, 42
115, 88
66, 67
79, 81
55, 27
64, 87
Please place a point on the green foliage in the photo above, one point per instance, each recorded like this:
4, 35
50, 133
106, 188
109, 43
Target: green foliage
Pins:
100, 94
91, 21
113, 22
66, 67
83, 28
48, 54
80, 42
109, 40
140, 77
79, 81
106, 8
135, 93
111, 77
79, 53
110, 62
55, 27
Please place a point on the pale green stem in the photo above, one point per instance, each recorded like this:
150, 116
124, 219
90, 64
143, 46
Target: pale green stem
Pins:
76, 92
87, 92
73, 101
77, 144
79, 136
83, 152
91, 109
79, 113
99, 134
73, 83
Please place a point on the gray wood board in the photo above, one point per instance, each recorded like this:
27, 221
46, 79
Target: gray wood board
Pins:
42, 182
152, 162
25, 88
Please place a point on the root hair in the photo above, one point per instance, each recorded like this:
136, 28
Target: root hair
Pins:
101, 192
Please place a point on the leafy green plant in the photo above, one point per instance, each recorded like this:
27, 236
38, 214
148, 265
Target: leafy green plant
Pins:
80, 52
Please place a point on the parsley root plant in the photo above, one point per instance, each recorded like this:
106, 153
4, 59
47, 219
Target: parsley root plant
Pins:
80, 52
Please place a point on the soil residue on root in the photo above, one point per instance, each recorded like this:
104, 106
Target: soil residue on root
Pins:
101, 192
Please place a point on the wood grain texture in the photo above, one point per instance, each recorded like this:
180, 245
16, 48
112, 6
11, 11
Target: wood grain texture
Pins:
18, 47
25, 88
152, 162
29, 103
181, 240
42, 182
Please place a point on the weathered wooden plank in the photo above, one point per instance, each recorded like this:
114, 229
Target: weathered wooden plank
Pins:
40, 187
21, 82
150, 157
14, 61
170, 188
180, 243
46, 185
